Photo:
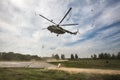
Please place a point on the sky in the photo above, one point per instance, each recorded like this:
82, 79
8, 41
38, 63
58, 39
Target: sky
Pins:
21, 27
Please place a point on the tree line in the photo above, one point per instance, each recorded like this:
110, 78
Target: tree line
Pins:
106, 56
11, 56
72, 56
94, 56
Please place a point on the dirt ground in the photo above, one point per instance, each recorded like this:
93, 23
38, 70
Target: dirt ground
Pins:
32, 64
53, 67
81, 70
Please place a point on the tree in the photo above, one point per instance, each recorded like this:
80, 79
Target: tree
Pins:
11, 56
91, 56
62, 56
94, 56
113, 56
56, 56
118, 55
109, 56
76, 56
72, 56
101, 56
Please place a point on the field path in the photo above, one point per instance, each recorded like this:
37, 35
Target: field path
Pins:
14, 64
25, 64
85, 70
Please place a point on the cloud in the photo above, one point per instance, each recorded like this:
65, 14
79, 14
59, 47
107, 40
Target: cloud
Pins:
21, 31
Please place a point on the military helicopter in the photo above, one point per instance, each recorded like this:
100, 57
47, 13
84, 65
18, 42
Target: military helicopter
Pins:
56, 27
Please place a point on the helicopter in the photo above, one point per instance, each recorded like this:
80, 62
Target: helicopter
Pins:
56, 28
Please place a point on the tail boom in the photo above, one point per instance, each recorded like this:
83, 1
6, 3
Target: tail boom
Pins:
72, 32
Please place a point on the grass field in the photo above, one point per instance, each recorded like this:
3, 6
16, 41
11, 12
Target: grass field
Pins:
99, 64
44, 74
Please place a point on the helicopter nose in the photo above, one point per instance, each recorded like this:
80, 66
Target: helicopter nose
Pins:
48, 28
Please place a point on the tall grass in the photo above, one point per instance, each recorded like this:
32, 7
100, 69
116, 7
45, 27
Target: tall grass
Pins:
88, 63
43, 74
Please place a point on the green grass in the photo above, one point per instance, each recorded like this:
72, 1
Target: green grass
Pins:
99, 64
44, 74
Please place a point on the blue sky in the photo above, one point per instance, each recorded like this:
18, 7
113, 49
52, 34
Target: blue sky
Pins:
21, 30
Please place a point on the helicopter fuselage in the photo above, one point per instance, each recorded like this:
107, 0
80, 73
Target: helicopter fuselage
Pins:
56, 29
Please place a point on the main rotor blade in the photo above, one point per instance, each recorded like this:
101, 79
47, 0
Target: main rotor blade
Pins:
68, 24
65, 15
47, 19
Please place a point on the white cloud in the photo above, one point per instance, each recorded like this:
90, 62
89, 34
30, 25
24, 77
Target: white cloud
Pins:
109, 15
21, 29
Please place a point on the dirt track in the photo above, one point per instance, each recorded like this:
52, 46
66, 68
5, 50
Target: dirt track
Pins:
15, 64
53, 67
81, 70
